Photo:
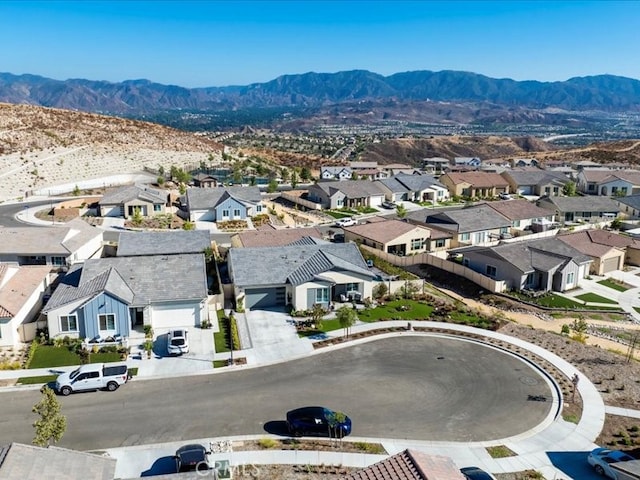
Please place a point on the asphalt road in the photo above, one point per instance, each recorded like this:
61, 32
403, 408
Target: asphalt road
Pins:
8, 212
425, 388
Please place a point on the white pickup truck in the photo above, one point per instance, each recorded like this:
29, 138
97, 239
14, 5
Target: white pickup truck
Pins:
94, 376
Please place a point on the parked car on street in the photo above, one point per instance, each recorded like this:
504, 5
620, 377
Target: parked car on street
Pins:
177, 341
475, 473
192, 457
346, 222
93, 376
505, 196
601, 458
318, 421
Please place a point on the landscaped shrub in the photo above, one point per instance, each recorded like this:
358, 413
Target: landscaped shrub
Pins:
233, 328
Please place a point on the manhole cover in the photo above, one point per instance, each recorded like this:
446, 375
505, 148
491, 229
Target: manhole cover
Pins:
529, 380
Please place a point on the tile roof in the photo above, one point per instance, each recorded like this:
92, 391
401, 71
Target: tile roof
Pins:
133, 192
352, 188
587, 203
386, 231
632, 200
535, 176
28, 462
519, 209
599, 237
292, 264
477, 179
19, 285
56, 240
276, 238
582, 242
605, 176
163, 243
410, 465
470, 219
206, 198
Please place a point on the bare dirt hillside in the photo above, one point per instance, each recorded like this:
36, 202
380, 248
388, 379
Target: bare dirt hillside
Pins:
42, 147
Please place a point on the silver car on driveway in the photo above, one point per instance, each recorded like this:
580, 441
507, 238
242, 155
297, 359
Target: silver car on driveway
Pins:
600, 458
177, 341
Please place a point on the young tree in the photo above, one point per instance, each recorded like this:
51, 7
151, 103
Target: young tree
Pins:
569, 189
284, 175
294, 179
380, 291
579, 329
401, 210
317, 312
76, 191
305, 174
347, 317
272, 187
52, 424
188, 225
354, 175
252, 181
137, 218
333, 423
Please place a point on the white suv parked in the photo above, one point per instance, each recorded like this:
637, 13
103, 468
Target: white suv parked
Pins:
346, 222
177, 341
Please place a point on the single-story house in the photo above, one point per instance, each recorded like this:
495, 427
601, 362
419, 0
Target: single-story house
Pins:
580, 208
22, 292
335, 173
415, 188
125, 201
272, 237
204, 180
397, 237
29, 462
521, 213
534, 181
606, 258
112, 296
410, 465
352, 194
357, 166
299, 275
614, 183
474, 184
173, 242
629, 245
370, 174
56, 246
474, 225
547, 264
223, 203
629, 206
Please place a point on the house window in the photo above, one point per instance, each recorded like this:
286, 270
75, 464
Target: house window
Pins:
322, 295
491, 271
547, 190
591, 187
416, 243
258, 208
107, 321
614, 190
440, 193
479, 237
530, 281
225, 213
570, 278
623, 190
340, 202
352, 287
236, 212
516, 223
464, 237
58, 261
440, 243
556, 190
504, 229
157, 207
68, 323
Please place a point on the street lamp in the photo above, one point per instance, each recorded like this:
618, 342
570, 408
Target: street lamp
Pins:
230, 338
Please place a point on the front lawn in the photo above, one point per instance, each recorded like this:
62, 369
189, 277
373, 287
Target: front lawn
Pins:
36, 380
637, 309
595, 298
471, 320
558, 301
220, 338
616, 285
47, 356
328, 325
397, 310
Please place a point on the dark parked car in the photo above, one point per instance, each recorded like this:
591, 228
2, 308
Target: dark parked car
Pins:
474, 473
192, 457
318, 421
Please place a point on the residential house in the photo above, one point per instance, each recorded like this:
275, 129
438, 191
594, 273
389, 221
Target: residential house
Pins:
397, 237
629, 206
474, 225
126, 201
359, 166
586, 165
28, 462
353, 194
524, 162
335, 173
614, 183
580, 209
467, 162
204, 180
112, 296
22, 291
521, 213
415, 188
410, 465
547, 264
395, 168
272, 237
371, 174
223, 203
173, 242
298, 275
605, 258
629, 245
435, 165
474, 184
535, 182
56, 246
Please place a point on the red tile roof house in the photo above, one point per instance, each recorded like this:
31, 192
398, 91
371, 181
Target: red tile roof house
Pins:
475, 184
611, 249
410, 465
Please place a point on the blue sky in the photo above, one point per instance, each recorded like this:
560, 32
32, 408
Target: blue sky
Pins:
218, 43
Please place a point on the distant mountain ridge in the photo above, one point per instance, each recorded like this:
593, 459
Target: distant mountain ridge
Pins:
602, 92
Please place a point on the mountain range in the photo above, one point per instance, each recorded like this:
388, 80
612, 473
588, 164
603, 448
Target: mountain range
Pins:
605, 93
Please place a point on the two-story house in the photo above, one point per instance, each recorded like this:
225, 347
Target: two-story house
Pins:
335, 173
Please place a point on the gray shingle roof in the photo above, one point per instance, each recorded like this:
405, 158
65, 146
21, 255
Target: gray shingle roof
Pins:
471, 219
536, 177
163, 243
133, 192
519, 209
352, 188
632, 200
292, 264
587, 203
393, 184
417, 183
205, 198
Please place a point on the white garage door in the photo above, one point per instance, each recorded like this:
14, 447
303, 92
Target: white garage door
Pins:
177, 315
202, 215
610, 264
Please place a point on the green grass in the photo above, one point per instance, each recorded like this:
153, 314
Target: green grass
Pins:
327, 326
220, 363
613, 284
389, 311
133, 371
104, 357
571, 418
220, 338
637, 309
557, 301
387, 267
500, 451
367, 210
36, 380
47, 356
595, 298
470, 319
